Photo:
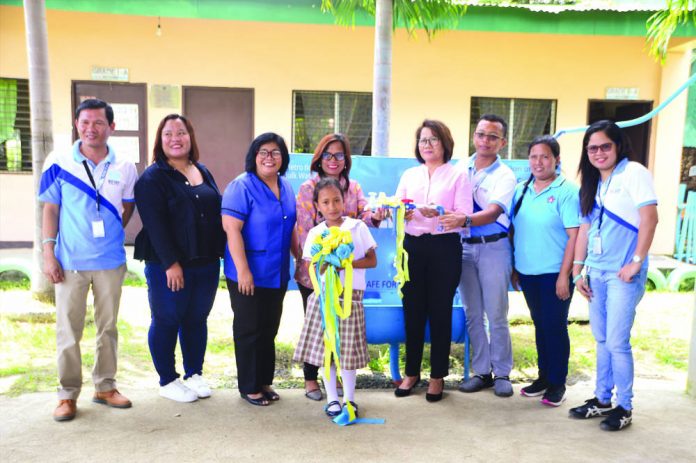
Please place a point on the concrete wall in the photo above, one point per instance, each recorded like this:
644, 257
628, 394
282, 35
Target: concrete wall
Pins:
433, 79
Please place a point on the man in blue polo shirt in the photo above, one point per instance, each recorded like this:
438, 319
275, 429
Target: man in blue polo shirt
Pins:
486, 258
88, 199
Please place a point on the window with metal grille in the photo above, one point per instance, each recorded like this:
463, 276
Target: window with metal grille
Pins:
315, 114
15, 128
526, 118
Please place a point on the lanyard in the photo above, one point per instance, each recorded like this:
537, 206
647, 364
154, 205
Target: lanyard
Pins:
101, 180
603, 200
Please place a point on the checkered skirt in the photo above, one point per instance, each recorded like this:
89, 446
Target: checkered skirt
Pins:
310, 347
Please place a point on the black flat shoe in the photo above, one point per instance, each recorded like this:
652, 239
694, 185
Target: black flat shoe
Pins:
260, 402
406, 392
270, 394
435, 397
332, 413
355, 407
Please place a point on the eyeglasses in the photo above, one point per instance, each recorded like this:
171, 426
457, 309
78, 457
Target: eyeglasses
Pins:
434, 141
326, 156
265, 153
490, 137
604, 148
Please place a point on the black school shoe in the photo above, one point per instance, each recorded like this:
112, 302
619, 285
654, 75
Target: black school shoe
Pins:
618, 419
592, 408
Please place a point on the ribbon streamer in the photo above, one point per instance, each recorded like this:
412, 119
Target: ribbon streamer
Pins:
398, 208
638, 120
331, 251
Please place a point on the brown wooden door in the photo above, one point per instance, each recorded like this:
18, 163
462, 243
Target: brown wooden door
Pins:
223, 120
130, 115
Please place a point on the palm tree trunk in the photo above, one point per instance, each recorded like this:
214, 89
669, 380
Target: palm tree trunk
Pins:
41, 127
381, 90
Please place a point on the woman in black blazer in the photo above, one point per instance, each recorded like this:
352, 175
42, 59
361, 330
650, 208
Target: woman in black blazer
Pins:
181, 242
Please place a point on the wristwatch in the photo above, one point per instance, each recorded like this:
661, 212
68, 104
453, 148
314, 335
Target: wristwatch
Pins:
467, 221
636, 259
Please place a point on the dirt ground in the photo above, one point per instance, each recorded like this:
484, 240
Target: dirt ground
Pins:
463, 427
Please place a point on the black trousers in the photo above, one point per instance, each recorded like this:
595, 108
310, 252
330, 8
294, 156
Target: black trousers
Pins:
311, 372
255, 325
434, 266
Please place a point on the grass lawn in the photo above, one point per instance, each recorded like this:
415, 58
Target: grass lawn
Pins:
27, 343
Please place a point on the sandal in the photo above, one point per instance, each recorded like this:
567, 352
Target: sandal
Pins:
332, 413
270, 394
314, 394
355, 407
261, 401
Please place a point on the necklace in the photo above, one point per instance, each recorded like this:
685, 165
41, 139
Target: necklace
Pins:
184, 169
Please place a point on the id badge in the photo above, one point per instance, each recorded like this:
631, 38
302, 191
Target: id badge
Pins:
98, 228
597, 245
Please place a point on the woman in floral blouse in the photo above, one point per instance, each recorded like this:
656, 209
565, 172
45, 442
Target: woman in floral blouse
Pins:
331, 159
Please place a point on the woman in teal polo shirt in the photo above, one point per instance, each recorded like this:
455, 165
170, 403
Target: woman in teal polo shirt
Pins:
546, 217
258, 215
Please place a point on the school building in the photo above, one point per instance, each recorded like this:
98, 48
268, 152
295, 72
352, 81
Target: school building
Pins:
240, 68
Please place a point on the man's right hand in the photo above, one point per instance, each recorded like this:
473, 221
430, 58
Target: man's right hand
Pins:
52, 268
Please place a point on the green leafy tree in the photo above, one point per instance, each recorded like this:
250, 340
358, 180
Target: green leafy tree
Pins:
427, 15
663, 23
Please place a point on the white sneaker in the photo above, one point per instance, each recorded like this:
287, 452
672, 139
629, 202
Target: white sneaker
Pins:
177, 391
198, 385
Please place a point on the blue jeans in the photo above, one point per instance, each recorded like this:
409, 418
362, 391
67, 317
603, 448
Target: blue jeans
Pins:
183, 313
612, 311
550, 317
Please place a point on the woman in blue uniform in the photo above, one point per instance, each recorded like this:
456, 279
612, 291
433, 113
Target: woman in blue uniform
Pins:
619, 216
546, 212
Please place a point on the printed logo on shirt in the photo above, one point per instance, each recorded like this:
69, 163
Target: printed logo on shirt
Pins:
551, 199
114, 177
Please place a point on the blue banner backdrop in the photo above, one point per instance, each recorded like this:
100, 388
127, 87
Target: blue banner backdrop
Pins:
377, 174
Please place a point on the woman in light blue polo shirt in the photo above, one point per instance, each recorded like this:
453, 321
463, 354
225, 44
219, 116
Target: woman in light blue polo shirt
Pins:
258, 215
619, 216
546, 212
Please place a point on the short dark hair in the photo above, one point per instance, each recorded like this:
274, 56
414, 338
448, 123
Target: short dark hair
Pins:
442, 132
589, 174
96, 103
158, 151
495, 118
326, 182
268, 137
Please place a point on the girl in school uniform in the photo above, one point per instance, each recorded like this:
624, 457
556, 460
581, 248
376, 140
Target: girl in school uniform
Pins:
328, 199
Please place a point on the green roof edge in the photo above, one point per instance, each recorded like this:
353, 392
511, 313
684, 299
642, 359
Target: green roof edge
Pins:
488, 18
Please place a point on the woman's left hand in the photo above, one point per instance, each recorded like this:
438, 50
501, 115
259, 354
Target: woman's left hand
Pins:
428, 212
628, 271
562, 287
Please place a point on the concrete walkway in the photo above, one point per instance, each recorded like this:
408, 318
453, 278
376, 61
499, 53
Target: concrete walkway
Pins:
463, 427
